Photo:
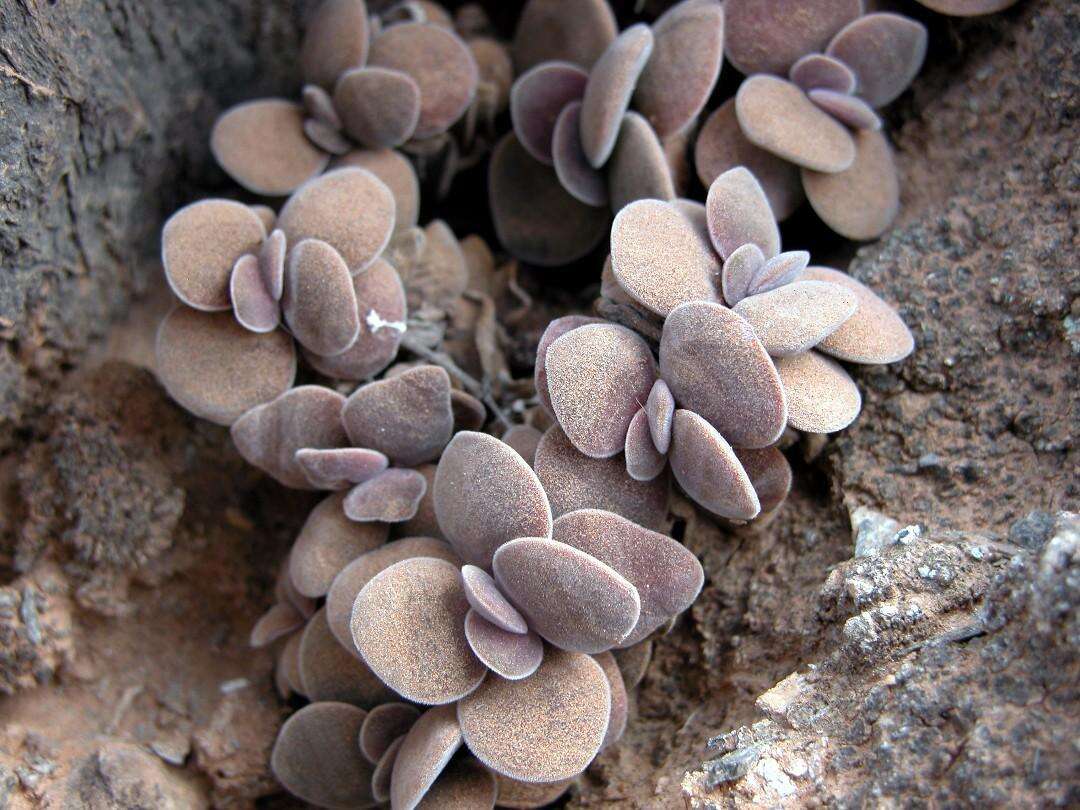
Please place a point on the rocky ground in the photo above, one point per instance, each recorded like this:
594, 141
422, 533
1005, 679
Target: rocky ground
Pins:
904, 632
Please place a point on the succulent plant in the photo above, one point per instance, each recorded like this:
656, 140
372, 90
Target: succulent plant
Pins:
745, 350
602, 118
840, 65
470, 612
577, 147
496, 641
317, 277
400, 79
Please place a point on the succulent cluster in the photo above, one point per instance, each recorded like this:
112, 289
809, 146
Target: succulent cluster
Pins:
502, 634
602, 118
747, 335
467, 614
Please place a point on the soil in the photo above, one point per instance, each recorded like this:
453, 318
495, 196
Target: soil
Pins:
939, 666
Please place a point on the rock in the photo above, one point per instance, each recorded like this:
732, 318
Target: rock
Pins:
732, 766
35, 629
122, 776
1033, 530
979, 227
944, 668
100, 144
232, 749
102, 436
873, 531
946, 709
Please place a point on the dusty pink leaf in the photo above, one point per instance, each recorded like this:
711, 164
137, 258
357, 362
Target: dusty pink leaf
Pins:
598, 376
379, 107
709, 471
408, 417
327, 542
716, 367
885, 52
610, 87
537, 98
569, 597
643, 461
485, 495
738, 213
667, 576
329, 671
487, 600
576, 481
314, 756
408, 624
508, 655
822, 397
544, 728
340, 467
262, 146
392, 496
268, 435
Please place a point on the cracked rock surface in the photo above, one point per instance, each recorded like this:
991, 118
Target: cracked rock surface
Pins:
954, 682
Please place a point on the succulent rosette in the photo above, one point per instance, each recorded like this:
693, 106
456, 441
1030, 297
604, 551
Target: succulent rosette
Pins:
748, 340
471, 612
804, 119
249, 296
599, 120
477, 660
372, 84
